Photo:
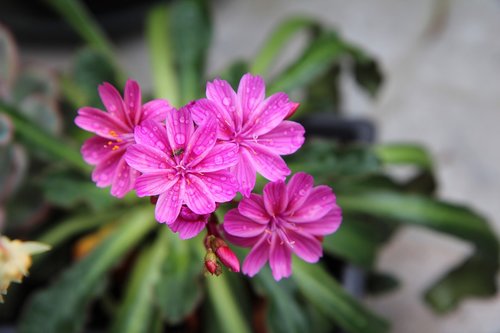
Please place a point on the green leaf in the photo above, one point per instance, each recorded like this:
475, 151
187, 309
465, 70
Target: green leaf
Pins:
280, 36
42, 111
318, 57
321, 289
407, 154
191, 33
367, 72
161, 54
180, 290
235, 72
6, 130
35, 81
12, 169
137, 310
380, 283
61, 307
9, 60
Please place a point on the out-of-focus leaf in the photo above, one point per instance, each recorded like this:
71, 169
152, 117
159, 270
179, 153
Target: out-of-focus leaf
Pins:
180, 289
61, 307
69, 191
42, 111
6, 130
12, 169
280, 36
90, 69
9, 61
35, 81
137, 309
284, 314
358, 240
368, 74
323, 94
451, 219
380, 283
318, 57
235, 72
26, 207
191, 32
37, 139
321, 289
404, 154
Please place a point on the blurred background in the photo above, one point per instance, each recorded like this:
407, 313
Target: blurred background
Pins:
441, 61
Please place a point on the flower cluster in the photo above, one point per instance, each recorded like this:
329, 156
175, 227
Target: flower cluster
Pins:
193, 158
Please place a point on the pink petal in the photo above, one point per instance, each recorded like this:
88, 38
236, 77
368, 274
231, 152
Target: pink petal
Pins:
221, 184
104, 172
223, 95
285, 139
180, 127
146, 159
280, 258
155, 183
241, 226
306, 247
269, 115
245, 173
257, 257
242, 241
328, 224
151, 133
294, 107
198, 197
97, 149
203, 108
155, 110
201, 142
253, 208
169, 203
267, 163
320, 201
222, 156
113, 102
123, 180
298, 188
187, 229
275, 197
100, 123
251, 92
133, 102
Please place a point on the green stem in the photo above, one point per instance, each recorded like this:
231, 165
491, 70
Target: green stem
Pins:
160, 46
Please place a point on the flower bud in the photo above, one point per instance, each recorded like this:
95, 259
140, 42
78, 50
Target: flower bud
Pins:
211, 263
228, 258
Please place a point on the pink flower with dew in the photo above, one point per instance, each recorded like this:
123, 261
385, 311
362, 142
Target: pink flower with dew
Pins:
114, 131
189, 224
254, 124
288, 218
183, 166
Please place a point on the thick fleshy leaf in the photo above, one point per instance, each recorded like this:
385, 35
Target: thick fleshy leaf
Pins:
100, 123
245, 173
280, 258
257, 257
404, 154
320, 201
155, 183
147, 159
241, 226
202, 109
201, 142
298, 188
151, 133
223, 95
155, 110
180, 290
221, 156
254, 209
306, 247
267, 163
285, 139
133, 101
97, 149
269, 114
61, 307
9, 61
169, 203
44, 112
105, 171
198, 196
251, 92
221, 184
124, 179
275, 197
179, 125
113, 102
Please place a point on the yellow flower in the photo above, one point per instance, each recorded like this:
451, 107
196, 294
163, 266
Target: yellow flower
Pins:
15, 260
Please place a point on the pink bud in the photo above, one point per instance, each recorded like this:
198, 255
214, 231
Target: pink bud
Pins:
292, 110
228, 258
211, 263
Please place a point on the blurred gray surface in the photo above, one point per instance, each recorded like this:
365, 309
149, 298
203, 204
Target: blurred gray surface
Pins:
442, 61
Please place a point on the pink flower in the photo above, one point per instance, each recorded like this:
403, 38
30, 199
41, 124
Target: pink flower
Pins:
255, 125
114, 131
189, 224
287, 218
182, 165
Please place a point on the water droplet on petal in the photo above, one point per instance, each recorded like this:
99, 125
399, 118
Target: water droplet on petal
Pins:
180, 138
302, 192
